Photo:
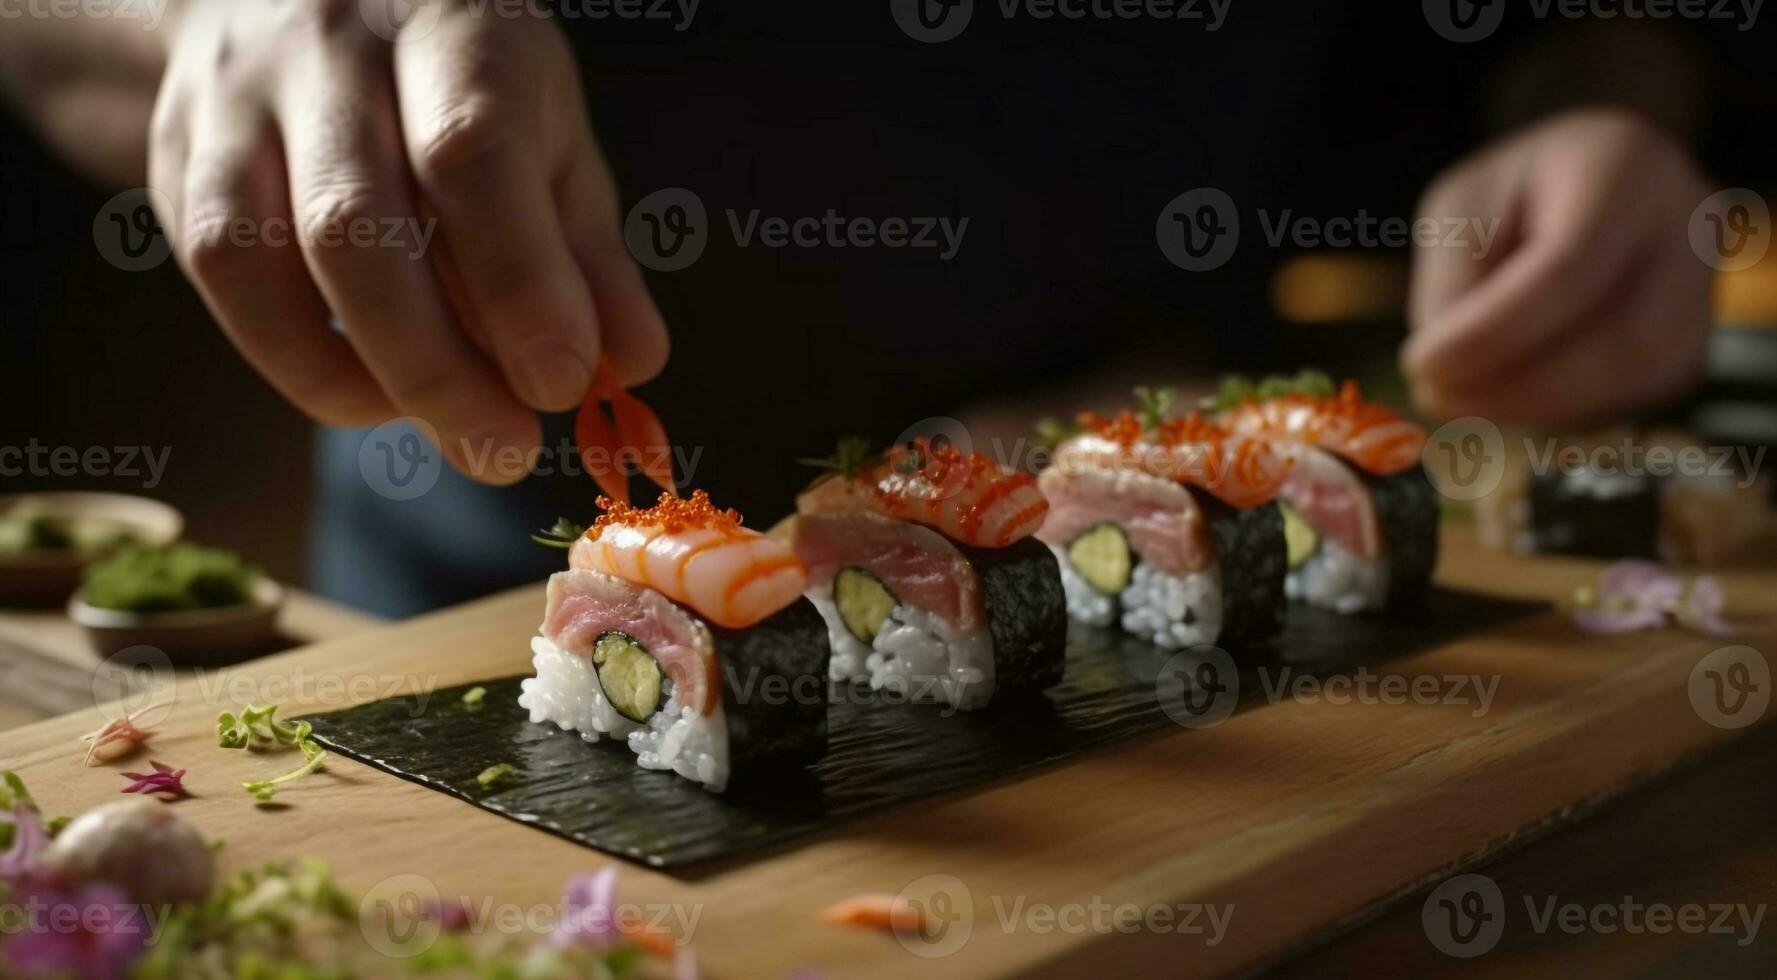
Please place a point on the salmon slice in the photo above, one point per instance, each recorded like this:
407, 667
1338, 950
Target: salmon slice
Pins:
1163, 521
966, 497
916, 564
1370, 435
1333, 500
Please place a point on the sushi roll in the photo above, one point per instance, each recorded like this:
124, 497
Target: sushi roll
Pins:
922, 563
1361, 516
686, 635
1169, 528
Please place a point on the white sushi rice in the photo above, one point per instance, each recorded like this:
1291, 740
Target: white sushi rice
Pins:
1337, 579
916, 656
566, 693
692, 745
1172, 611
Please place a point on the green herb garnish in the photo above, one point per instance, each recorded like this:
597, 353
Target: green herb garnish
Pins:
562, 535
259, 728
1154, 403
850, 457
313, 758
175, 578
1236, 389
494, 774
1052, 432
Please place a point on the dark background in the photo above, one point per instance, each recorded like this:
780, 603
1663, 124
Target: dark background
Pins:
1060, 141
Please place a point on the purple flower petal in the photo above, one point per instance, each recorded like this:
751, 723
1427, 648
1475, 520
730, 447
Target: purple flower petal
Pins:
590, 912
1635, 576
1608, 621
28, 839
1702, 606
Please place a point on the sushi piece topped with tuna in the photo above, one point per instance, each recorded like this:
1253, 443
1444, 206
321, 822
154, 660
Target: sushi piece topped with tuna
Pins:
1360, 513
921, 561
685, 634
1168, 527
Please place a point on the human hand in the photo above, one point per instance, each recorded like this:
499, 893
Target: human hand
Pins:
302, 158
1589, 303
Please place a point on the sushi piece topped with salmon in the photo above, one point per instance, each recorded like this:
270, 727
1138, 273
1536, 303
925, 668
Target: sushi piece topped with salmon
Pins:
1168, 526
922, 562
685, 634
1360, 513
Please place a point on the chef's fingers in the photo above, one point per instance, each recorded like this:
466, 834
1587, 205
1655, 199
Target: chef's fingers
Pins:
1475, 214
634, 332
471, 112
1591, 189
363, 239
236, 242
1643, 342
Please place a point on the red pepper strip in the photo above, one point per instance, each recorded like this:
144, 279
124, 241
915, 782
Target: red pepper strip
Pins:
637, 431
641, 433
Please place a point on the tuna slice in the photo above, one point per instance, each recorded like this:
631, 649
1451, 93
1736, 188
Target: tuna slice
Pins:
1334, 501
921, 567
1164, 523
583, 605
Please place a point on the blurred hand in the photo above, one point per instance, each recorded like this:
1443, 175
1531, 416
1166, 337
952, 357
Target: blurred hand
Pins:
302, 158
1588, 303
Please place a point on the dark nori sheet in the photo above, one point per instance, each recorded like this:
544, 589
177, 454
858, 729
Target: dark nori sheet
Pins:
1407, 510
1026, 613
878, 754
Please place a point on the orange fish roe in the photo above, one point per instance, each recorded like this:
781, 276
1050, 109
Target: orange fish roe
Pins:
672, 513
966, 496
1126, 430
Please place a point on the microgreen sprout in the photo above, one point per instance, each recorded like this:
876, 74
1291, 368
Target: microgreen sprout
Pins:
258, 728
562, 535
1154, 403
849, 459
314, 758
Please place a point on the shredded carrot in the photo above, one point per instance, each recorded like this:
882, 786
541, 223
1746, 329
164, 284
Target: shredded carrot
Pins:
874, 910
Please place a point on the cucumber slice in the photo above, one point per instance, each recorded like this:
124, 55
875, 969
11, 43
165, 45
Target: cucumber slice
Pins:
1299, 538
1101, 556
864, 602
629, 674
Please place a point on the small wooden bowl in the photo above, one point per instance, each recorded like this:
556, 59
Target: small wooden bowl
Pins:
199, 637
46, 578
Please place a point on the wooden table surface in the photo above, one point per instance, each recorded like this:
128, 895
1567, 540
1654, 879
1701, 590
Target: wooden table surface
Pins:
1301, 817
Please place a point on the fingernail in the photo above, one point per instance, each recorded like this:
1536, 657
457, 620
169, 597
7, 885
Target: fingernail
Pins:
498, 455
552, 376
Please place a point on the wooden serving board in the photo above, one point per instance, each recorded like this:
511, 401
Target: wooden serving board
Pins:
1301, 815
